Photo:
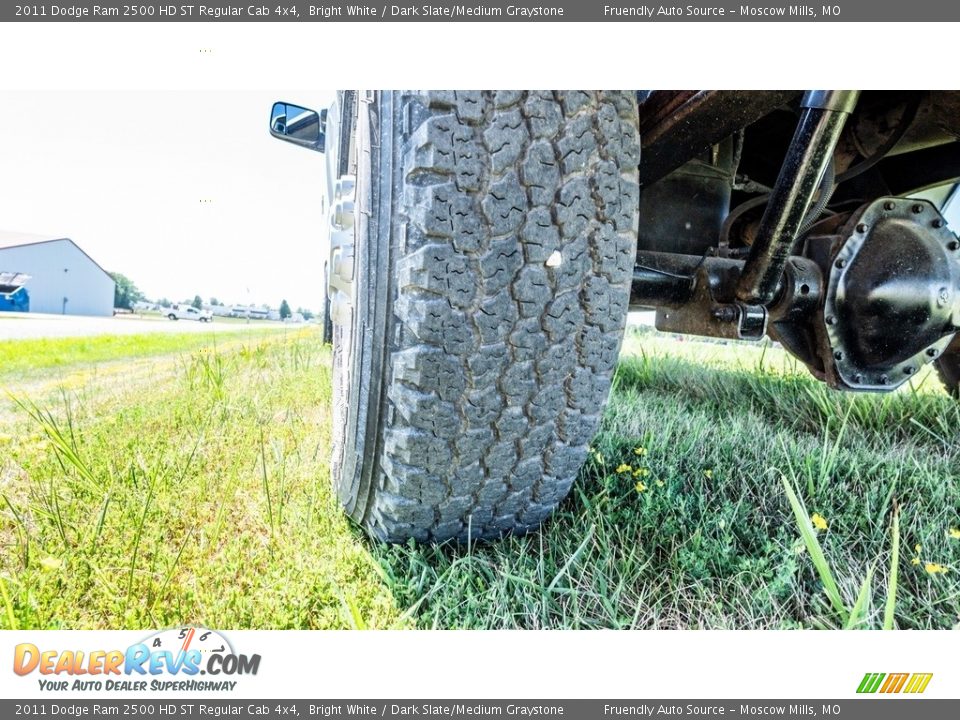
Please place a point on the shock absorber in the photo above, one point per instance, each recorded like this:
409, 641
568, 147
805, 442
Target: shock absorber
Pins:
811, 150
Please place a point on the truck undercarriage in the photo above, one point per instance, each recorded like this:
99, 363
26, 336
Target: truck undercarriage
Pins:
813, 218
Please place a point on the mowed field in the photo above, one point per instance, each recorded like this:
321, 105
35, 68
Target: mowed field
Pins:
151, 481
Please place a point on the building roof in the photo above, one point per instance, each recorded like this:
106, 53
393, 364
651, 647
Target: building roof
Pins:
15, 239
19, 239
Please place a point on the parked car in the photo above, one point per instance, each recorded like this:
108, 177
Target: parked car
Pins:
483, 249
187, 312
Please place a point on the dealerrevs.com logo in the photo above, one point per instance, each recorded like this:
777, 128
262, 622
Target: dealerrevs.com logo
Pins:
169, 660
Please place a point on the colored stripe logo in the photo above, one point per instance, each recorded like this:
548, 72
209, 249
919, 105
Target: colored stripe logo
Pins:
884, 683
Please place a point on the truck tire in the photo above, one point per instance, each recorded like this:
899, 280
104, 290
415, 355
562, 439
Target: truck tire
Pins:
325, 321
480, 318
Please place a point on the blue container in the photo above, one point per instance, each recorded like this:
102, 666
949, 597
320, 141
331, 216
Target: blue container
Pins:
13, 295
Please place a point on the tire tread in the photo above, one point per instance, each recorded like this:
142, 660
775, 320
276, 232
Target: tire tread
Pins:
502, 362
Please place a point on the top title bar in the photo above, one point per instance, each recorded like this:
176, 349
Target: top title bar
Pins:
518, 11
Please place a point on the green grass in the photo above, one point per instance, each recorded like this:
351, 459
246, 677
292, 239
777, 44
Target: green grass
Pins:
19, 358
199, 492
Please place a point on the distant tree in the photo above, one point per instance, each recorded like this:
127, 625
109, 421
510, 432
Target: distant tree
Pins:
164, 302
284, 310
125, 292
307, 314
197, 302
214, 302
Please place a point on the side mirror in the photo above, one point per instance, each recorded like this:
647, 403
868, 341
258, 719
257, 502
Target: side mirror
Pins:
298, 125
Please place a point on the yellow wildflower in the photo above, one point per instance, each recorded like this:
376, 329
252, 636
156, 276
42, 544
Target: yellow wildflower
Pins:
639, 451
954, 533
623, 468
598, 457
934, 568
660, 483
819, 522
917, 548
640, 487
915, 561
51, 563
641, 472
708, 474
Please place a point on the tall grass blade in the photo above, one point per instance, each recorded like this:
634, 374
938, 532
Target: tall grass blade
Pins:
22, 536
830, 453
572, 559
100, 521
8, 606
65, 448
859, 610
266, 482
816, 552
138, 536
891, 605
173, 567
353, 613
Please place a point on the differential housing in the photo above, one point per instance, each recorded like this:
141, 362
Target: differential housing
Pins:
892, 294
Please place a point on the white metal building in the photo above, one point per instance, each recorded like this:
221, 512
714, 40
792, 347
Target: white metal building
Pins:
64, 279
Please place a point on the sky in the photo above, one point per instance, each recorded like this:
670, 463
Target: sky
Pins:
185, 193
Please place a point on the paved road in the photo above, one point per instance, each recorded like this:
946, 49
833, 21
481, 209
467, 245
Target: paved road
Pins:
20, 326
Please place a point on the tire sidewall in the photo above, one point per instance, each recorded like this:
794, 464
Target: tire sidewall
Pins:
360, 345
